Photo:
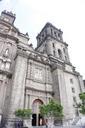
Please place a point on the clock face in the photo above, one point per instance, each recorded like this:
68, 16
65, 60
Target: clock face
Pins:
38, 74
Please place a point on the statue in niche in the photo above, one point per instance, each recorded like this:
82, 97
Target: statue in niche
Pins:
6, 54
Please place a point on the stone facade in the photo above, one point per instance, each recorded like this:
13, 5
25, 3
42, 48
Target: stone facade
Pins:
30, 77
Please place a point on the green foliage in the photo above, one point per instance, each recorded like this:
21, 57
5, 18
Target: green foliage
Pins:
23, 113
82, 97
81, 105
52, 109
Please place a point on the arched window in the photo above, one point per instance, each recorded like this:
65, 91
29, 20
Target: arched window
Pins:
59, 36
66, 58
54, 52
53, 45
64, 50
60, 53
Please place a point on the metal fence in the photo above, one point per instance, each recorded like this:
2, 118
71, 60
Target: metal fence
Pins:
9, 123
12, 123
59, 127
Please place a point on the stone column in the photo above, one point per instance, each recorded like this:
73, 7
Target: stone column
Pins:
59, 89
18, 85
2, 93
63, 94
26, 101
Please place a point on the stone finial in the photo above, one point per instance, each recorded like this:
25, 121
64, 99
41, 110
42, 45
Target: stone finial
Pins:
10, 13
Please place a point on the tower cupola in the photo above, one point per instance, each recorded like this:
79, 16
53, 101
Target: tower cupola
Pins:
8, 16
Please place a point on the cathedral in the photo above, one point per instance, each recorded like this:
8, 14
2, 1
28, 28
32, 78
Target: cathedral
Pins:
30, 77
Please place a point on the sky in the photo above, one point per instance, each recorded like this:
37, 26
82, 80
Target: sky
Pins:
67, 15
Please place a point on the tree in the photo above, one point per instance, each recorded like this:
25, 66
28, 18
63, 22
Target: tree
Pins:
23, 113
52, 110
81, 105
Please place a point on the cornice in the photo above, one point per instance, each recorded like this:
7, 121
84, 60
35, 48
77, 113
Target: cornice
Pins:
68, 63
21, 53
8, 24
24, 35
51, 37
39, 90
33, 56
9, 36
73, 73
38, 81
40, 61
47, 25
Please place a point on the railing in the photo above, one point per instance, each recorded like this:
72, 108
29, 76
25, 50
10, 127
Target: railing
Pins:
9, 123
58, 127
13, 123
44, 126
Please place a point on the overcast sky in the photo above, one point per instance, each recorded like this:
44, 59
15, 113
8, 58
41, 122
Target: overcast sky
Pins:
68, 15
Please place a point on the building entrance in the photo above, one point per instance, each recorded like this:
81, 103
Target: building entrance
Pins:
37, 119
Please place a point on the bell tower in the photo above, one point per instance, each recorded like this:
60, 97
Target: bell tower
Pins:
50, 40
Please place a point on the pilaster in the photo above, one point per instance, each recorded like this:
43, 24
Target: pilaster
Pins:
49, 47
18, 85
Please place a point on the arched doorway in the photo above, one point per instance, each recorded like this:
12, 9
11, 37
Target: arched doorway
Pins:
37, 119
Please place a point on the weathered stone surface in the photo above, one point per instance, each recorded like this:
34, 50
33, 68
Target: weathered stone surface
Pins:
28, 74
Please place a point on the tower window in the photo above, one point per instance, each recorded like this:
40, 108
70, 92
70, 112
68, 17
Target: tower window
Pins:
53, 45
51, 31
73, 90
64, 50
71, 81
42, 35
66, 58
74, 99
59, 53
55, 33
39, 39
58, 35
54, 52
